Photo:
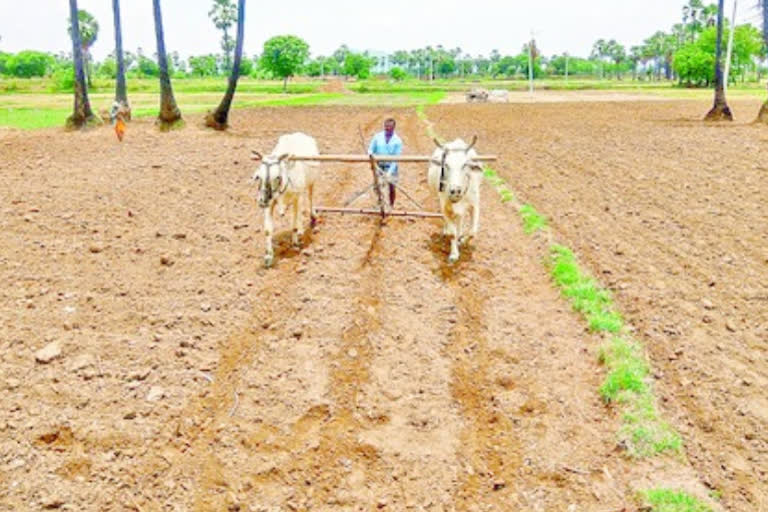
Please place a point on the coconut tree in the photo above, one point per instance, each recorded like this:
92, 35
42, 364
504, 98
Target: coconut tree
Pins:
720, 110
89, 32
224, 15
121, 94
82, 111
693, 12
169, 111
763, 115
218, 119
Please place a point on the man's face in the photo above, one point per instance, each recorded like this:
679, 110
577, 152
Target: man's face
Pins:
389, 128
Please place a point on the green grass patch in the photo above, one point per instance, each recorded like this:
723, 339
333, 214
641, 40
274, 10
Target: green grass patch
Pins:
33, 119
532, 220
586, 295
33, 110
492, 177
506, 194
667, 500
627, 382
628, 369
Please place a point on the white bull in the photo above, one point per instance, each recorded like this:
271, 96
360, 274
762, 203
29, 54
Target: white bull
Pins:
498, 96
455, 177
287, 182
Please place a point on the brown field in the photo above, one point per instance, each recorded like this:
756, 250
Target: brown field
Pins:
364, 373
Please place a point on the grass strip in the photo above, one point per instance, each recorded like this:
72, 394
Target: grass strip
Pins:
532, 220
667, 500
627, 383
586, 295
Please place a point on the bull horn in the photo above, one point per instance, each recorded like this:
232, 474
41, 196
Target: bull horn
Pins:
283, 157
437, 143
471, 144
255, 155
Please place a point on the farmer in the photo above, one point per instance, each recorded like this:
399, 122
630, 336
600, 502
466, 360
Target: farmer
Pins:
387, 143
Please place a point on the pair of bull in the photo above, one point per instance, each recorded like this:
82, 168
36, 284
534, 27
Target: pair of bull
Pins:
453, 175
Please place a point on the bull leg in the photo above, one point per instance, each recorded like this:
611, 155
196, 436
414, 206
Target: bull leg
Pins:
475, 218
453, 232
298, 230
473, 229
445, 218
312, 213
269, 226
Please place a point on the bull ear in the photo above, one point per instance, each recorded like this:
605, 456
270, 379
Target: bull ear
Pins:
435, 162
437, 143
471, 144
283, 157
475, 167
255, 155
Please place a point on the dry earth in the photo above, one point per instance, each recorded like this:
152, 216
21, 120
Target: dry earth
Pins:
363, 372
670, 213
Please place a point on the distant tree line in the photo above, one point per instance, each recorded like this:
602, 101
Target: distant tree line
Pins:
685, 53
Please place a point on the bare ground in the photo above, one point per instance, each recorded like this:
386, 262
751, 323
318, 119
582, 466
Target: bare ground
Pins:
670, 213
363, 372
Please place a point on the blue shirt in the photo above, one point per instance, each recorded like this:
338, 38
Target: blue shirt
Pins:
380, 146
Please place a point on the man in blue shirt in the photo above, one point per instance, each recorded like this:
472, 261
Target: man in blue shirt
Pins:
387, 143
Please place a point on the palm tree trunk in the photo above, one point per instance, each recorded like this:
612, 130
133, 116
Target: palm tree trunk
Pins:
82, 110
88, 66
227, 57
218, 119
121, 91
720, 110
169, 112
763, 115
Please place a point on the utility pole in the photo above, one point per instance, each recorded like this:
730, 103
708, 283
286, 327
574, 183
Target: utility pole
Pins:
431, 69
730, 47
530, 65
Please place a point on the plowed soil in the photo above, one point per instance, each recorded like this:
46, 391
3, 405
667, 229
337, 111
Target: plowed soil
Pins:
362, 372
670, 213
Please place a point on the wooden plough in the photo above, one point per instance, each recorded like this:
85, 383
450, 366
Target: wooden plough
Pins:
377, 176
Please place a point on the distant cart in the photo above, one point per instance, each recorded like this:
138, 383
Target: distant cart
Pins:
477, 96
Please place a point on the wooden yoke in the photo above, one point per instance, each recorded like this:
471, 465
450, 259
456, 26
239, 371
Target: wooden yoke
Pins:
345, 158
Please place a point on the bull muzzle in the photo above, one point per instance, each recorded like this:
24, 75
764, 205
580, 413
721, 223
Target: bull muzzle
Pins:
455, 194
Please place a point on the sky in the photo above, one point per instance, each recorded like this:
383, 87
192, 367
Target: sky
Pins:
477, 27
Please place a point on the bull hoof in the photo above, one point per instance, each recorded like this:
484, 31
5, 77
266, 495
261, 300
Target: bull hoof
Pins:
453, 258
313, 220
268, 261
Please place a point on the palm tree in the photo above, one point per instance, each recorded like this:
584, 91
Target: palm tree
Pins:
121, 94
223, 15
763, 115
709, 15
169, 112
82, 112
218, 119
720, 110
89, 31
694, 11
